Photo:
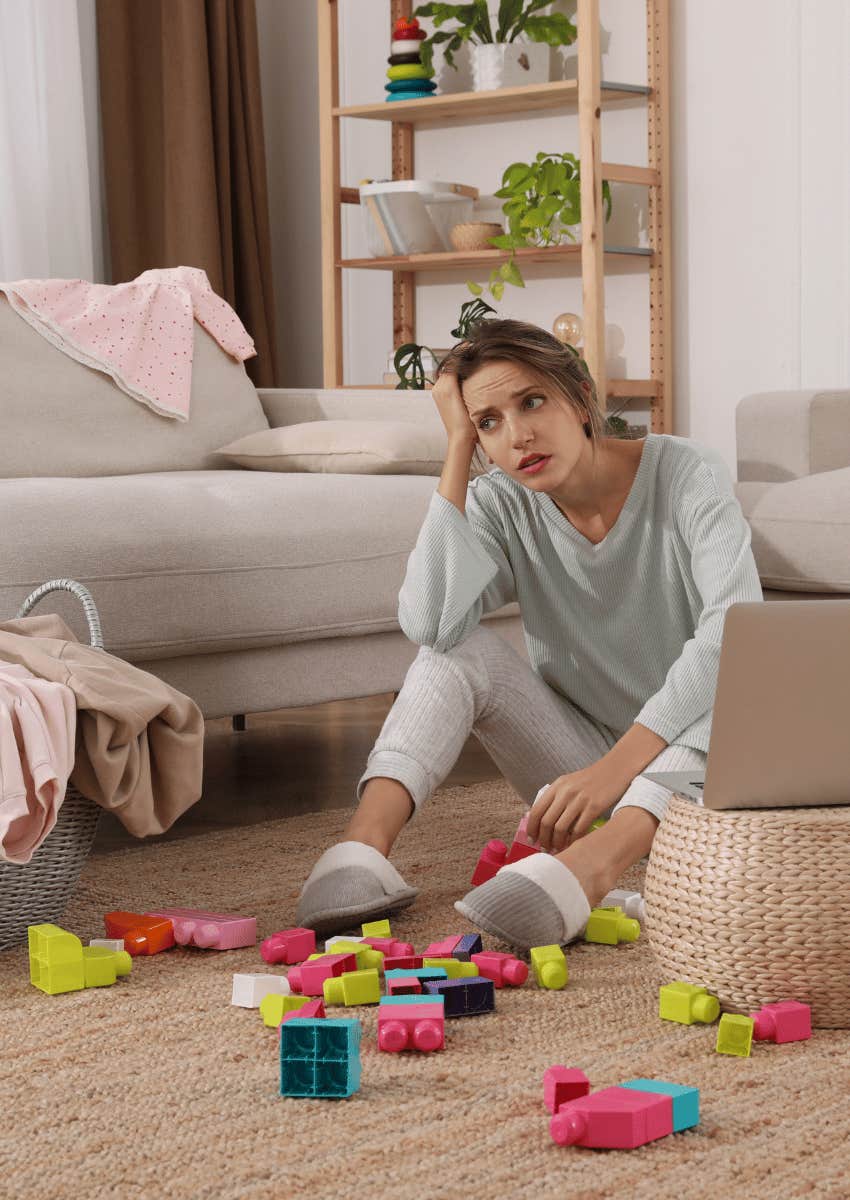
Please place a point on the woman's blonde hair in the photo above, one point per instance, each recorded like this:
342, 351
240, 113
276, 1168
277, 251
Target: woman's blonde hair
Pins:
506, 340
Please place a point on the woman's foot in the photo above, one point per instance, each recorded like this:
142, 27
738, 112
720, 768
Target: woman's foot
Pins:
351, 883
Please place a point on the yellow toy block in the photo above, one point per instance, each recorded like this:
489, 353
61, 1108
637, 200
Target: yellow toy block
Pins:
735, 1035
367, 957
56, 959
455, 968
549, 964
610, 926
686, 1003
354, 987
376, 929
273, 1006
102, 966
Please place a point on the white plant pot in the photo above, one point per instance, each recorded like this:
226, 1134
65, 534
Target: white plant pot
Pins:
509, 64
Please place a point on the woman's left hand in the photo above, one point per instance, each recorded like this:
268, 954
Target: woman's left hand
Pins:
571, 803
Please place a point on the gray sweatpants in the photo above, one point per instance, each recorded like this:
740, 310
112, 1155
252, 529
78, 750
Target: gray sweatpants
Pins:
532, 733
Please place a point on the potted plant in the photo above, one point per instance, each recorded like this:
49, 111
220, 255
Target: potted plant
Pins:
515, 53
542, 205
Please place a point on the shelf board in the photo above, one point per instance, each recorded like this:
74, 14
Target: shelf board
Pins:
618, 389
449, 260
562, 93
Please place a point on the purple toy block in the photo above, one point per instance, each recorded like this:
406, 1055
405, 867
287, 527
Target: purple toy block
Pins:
212, 931
614, 1118
464, 997
468, 945
561, 1084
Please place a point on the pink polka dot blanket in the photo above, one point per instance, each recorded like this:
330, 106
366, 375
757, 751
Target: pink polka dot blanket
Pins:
140, 333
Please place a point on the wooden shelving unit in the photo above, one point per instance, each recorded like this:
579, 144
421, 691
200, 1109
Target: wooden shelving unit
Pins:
588, 96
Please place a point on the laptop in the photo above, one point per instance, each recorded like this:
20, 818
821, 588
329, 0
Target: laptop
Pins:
780, 732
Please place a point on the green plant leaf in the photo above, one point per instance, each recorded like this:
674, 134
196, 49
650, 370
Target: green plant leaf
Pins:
475, 288
407, 361
504, 241
497, 290
482, 21
470, 312
515, 175
555, 30
509, 271
509, 13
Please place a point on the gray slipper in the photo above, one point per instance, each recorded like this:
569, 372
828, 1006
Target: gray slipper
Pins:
351, 883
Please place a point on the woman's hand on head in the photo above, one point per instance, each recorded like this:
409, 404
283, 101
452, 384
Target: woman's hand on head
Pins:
571, 803
454, 414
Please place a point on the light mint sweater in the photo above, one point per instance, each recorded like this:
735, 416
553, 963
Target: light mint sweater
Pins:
629, 629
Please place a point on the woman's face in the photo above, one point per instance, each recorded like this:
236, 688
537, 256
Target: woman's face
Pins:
516, 416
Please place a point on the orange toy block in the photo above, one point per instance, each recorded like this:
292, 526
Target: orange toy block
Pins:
142, 935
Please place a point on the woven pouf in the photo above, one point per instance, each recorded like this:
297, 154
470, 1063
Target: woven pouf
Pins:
754, 905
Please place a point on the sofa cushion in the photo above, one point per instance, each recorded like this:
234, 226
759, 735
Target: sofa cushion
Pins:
190, 562
61, 418
345, 447
801, 531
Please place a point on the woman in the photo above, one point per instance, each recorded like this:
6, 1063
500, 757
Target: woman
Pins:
623, 557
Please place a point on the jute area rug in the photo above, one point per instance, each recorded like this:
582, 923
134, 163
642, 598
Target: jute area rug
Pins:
157, 1087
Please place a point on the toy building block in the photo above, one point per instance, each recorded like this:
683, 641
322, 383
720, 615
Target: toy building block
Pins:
340, 937
442, 949
610, 926
248, 989
101, 967
686, 1003
108, 943
411, 1027
735, 1035
503, 969
379, 929
141, 934
365, 957
55, 959
454, 968
209, 930
464, 997
491, 860
631, 903
549, 964
685, 1100
784, 1021
355, 987
289, 946
614, 1118
314, 1008
408, 986
521, 837
309, 978
275, 1006
407, 962
468, 945
423, 974
561, 1084
424, 998
320, 1057
389, 946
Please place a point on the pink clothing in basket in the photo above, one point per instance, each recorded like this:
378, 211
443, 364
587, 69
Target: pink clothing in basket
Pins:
38, 725
141, 333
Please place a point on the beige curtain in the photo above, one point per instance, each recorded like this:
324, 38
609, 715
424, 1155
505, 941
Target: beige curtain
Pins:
184, 156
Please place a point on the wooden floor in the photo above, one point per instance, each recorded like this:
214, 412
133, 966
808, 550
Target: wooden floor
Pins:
291, 761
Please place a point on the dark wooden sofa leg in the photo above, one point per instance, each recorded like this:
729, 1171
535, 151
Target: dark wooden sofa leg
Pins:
238, 723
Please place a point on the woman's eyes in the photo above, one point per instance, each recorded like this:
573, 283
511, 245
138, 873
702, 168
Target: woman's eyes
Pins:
481, 422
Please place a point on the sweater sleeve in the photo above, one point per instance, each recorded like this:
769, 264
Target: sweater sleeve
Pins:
707, 515
458, 571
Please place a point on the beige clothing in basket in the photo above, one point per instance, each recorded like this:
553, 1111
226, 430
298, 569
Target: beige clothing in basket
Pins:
139, 742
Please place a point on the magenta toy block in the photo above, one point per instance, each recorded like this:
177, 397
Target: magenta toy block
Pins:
492, 859
289, 946
785, 1021
309, 978
502, 968
212, 931
389, 947
442, 949
520, 850
521, 836
403, 962
561, 1084
313, 1008
614, 1118
411, 1027
404, 987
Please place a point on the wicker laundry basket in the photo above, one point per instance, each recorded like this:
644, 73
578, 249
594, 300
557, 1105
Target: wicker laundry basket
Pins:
39, 891
754, 905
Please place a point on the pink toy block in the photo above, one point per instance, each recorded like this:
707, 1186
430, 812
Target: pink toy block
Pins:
404, 987
561, 1084
209, 930
289, 946
313, 1008
404, 962
502, 968
444, 948
411, 1027
389, 947
309, 978
521, 836
520, 850
491, 860
614, 1118
785, 1021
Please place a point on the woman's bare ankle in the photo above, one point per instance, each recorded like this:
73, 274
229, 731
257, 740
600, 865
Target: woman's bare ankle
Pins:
385, 808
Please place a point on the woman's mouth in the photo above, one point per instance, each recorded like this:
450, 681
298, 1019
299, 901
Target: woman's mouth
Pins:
536, 466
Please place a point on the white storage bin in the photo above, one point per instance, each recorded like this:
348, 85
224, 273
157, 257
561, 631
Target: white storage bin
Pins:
412, 216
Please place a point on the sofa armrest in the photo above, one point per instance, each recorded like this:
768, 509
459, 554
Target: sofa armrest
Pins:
788, 435
291, 406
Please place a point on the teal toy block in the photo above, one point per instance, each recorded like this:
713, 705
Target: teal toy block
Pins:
685, 1099
422, 973
320, 1057
416, 999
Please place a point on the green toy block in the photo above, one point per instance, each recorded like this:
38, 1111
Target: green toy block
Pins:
273, 1006
686, 1003
610, 926
735, 1035
367, 957
354, 987
455, 968
549, 964
56, 959
102, 966
376, 929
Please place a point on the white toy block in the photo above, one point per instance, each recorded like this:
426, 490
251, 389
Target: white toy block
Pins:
248, 990
632, 903
341, 937
109, 943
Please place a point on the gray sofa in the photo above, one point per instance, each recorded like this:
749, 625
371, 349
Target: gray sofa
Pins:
253, 591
